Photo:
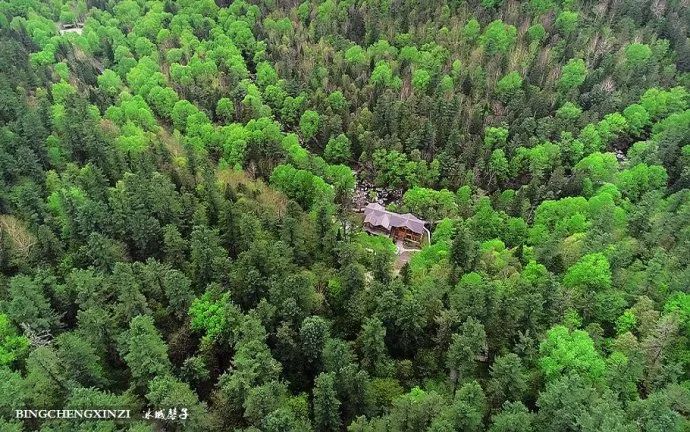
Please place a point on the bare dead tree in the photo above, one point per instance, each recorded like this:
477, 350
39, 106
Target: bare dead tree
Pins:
37, 338
19, 236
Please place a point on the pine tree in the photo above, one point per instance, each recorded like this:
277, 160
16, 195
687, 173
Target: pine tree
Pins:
326, 404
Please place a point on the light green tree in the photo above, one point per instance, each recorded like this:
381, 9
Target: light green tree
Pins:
573, 74
567, 21
12, 346
498, 37
309, 124
591, 272
421, 79
564, 352
338, 150
509, 85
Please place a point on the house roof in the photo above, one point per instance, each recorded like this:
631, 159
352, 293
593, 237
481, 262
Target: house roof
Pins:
377, 215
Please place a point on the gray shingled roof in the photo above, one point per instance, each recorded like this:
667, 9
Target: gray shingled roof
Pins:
377, 215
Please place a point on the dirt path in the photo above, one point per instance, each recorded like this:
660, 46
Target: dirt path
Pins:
401, 260
403, 256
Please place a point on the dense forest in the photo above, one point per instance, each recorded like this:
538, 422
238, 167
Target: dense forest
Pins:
177, 227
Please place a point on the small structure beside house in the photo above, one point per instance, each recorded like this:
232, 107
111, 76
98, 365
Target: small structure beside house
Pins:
400, 227
65, 28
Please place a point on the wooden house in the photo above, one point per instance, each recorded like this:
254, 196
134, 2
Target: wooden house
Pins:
400, 227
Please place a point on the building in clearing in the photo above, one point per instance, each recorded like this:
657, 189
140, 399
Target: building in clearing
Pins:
65, 28
404, 227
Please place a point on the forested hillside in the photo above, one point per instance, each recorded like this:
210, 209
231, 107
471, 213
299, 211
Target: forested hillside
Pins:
177, 227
